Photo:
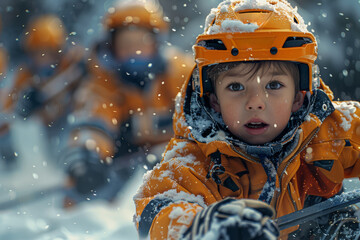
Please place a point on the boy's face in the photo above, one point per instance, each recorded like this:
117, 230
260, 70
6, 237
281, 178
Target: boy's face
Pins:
133, 42
256, 104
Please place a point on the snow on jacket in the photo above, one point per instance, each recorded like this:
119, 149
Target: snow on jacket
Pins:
189, 178
108, 107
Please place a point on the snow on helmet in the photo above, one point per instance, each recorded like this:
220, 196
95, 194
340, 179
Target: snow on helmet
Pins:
147, 14
256, 30
46, 31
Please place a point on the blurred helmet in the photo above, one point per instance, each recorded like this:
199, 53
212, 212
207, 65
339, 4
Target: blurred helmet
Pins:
146, 14
46, 31
243, 30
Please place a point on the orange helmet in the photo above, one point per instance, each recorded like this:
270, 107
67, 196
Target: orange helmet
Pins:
146, 14
46, 31
241, 30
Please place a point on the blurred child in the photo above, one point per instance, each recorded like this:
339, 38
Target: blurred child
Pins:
124, 111
43, 86
256, 131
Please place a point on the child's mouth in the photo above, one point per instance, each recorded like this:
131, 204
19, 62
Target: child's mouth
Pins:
256, 128
256, 125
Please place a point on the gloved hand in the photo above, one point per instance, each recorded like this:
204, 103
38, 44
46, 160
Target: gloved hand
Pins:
29, 100
234, 219
86, 170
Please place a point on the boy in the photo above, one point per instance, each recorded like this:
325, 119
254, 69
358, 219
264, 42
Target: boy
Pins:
256, 132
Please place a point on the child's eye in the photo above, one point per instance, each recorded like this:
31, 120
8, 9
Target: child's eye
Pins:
236, 87
274, 85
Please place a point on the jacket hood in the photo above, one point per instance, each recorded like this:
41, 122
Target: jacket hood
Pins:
195, 120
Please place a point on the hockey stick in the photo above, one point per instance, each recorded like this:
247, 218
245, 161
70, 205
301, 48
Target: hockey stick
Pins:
330, 205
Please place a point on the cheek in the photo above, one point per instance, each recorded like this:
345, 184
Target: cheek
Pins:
283, 104
281, 116
230, 116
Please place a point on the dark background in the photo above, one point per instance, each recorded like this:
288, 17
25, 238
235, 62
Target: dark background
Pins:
335, 23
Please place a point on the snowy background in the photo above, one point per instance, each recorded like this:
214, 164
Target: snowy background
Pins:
335, 23
44, 218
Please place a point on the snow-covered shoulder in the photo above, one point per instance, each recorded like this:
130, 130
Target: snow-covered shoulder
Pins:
349, 110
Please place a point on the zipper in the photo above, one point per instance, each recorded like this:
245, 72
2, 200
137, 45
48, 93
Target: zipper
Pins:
291, 198
243, 154
304, 145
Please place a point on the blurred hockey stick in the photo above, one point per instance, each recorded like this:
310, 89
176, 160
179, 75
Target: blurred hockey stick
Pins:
330, 205
70, 78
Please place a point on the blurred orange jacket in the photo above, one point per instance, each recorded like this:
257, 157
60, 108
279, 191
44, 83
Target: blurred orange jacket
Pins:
104, 103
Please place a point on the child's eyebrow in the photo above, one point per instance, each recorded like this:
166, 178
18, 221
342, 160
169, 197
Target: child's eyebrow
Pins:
278, 73
233, 74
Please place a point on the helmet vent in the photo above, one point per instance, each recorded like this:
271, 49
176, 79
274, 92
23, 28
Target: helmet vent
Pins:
296, 42
212, 44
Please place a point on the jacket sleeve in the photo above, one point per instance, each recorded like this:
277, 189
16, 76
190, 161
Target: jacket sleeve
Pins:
173, 192
335, 152
349, 126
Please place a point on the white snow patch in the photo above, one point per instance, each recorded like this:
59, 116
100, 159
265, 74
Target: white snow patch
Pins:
178, 152
348, 109
176, 212
181, 197
210, 18
307, 118
257, 4
232, 26
178, 103
183, 216
166, 174
346, 125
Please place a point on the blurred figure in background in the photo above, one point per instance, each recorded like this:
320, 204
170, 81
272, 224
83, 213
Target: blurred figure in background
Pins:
44, 84
123, 114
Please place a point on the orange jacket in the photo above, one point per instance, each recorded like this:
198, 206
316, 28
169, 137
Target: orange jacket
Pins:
105, 104
327, 151
58, 87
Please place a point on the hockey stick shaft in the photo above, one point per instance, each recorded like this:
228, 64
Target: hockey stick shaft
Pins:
330, 205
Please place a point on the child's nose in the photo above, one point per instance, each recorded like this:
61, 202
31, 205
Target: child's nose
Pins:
255, 102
